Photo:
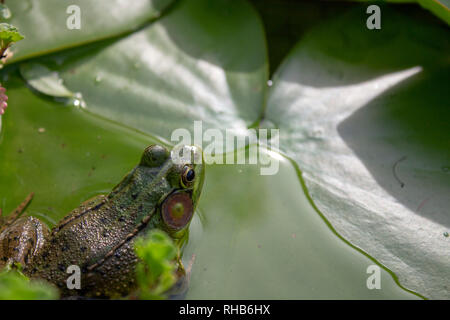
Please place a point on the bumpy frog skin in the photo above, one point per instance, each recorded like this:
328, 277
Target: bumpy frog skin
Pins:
98, 236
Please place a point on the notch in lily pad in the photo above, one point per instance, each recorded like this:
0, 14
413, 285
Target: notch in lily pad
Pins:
48, 83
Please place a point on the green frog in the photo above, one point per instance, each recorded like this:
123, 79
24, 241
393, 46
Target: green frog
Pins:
162, 192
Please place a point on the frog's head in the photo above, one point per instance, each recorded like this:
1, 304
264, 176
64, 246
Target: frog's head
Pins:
172, 183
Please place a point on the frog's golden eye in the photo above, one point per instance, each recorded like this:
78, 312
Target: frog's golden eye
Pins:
188, 176
177, 210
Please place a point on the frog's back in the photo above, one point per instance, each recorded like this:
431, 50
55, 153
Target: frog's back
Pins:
84, 238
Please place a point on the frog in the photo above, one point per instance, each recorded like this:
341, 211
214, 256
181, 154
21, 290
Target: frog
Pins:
161, 192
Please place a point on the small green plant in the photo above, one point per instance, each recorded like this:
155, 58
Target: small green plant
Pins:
156, 272
8, 35
14, 285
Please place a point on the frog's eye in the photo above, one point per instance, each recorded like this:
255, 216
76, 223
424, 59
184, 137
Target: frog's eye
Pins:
154, 156
177, 210
187, 177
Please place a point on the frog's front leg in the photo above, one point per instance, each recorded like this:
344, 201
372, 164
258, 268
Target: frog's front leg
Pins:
12, 217
21, 238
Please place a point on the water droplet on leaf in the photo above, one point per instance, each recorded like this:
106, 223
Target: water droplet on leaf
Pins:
316, 133
5, 13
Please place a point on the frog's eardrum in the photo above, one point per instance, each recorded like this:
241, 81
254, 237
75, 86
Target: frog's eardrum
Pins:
177, 210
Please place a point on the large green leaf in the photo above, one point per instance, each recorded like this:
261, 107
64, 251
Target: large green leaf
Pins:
365, 115
440, 8
256, 237
63, 155
44, 22
203, 61
260, 238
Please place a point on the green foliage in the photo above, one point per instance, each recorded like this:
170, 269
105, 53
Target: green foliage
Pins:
195, 45
9, 34
100, 19
155, 273
14, 285
437, 7
361, 98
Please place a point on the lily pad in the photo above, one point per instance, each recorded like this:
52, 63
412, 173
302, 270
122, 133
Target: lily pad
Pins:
441, 8
203, 61
46, 23
73, 154
261, 238
254, 237
365, 115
